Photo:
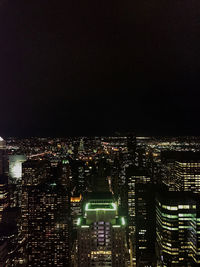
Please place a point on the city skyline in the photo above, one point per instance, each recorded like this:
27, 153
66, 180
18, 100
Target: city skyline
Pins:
100, 201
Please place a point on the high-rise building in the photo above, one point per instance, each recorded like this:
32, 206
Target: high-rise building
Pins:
182, 170
101, 233
187, 175
48, 225
34, 172
177, 228
134, 176
145, 223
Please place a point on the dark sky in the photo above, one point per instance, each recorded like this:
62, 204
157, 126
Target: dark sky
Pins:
79, 67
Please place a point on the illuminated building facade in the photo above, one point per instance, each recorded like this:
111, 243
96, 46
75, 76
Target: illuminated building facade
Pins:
177, 228
101, 234
48, 225
34, 172
187, 175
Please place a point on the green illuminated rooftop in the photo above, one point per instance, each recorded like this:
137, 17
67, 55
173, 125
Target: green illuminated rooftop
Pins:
100, 206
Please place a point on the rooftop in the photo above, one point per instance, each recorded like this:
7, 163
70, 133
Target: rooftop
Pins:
100, 206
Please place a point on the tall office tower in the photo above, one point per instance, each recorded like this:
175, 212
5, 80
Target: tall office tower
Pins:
145, 223
101, 233
177, 228
48, 225
34, 172
134, 176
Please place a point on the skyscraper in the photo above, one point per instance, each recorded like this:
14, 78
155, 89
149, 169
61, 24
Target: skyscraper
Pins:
187, 175
134, 176
177, 228
145, 223
45, 215
48, 225
34, 172
101, 233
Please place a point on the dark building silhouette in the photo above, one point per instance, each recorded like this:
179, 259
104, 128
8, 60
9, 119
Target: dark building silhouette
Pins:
145, 224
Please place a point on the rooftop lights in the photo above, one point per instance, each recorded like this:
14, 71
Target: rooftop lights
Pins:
102, 206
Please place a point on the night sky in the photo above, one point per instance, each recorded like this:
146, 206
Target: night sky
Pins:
93, 67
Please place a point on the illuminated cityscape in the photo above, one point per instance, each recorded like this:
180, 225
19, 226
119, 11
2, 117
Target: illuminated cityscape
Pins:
99, 133
100, 201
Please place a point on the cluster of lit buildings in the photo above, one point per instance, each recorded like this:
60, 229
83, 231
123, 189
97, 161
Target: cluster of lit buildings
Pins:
102, 201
